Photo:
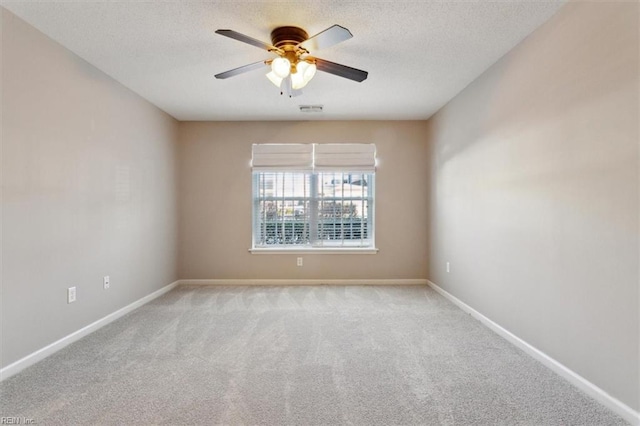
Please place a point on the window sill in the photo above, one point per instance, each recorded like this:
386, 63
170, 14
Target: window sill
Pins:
319, 250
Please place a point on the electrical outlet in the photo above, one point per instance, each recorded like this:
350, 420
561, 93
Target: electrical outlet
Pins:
299, 262
105, 282
448, 267
71, 294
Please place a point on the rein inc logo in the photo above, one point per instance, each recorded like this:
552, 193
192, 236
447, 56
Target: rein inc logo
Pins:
16, 421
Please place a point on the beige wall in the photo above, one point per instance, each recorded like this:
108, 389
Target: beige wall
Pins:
215, 201
89, 189
535, 193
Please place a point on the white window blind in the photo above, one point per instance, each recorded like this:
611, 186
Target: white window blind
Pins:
325, 200
345, 157
319, 157
282, 157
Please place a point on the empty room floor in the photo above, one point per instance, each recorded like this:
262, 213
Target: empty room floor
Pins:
297, 355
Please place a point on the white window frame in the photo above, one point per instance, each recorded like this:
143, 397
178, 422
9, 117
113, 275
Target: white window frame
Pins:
331, 159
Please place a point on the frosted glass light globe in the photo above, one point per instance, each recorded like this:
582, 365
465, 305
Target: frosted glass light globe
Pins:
304, 73
281, 67
277, 81
308, 70
297, 81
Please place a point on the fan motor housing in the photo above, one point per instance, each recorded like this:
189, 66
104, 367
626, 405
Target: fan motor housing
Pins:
288, 36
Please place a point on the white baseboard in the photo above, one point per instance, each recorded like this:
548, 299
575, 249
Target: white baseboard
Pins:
40, 354
294, 282
572, 377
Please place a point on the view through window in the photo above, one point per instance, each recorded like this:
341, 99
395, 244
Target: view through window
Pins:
313, 209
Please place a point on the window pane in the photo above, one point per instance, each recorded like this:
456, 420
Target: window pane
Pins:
313, 210
343, 209
282, 200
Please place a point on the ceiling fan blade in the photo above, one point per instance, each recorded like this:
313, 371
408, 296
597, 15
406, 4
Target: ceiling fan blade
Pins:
341, 70
332, 35
246, 39
241, 70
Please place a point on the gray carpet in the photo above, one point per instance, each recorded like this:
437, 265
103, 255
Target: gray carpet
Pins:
297, 355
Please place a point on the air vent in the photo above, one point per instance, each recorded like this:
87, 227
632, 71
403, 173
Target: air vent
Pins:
310, 108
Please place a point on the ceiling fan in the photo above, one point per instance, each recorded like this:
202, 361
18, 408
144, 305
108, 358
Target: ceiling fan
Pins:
293, 67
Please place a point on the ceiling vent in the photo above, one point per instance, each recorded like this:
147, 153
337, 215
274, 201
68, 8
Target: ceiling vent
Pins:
310, 108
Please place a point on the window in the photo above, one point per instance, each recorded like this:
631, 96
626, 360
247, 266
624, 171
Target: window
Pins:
313, 197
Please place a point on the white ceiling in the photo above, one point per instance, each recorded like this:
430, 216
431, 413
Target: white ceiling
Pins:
419, 54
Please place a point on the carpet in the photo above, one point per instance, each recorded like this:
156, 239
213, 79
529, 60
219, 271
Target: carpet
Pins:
307, 355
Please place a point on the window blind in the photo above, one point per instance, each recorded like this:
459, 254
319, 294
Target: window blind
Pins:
282, 157
330, 157
313, 210
336, 157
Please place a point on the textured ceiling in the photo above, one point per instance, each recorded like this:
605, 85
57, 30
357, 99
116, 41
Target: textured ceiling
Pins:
419, 54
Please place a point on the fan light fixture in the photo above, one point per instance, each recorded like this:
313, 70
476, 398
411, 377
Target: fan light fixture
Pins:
301, 73
294, 67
